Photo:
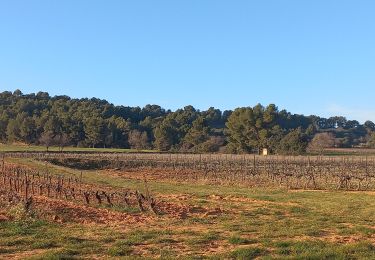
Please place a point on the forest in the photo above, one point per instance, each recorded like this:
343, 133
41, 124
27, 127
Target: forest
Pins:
41, 119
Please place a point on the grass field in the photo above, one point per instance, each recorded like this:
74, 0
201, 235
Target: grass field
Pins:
350, 151
223, 222
35, 148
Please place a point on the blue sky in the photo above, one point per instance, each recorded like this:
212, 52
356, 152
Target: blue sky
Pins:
310, 57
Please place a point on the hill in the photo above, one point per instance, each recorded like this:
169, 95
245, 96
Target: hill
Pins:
39, 119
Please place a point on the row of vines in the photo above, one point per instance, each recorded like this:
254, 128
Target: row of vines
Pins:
22, 184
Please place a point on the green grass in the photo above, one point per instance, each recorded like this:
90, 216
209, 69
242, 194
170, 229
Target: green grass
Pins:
322, 250
120, 249
205, 238
58, 241
237, 240
35, 148
247, 253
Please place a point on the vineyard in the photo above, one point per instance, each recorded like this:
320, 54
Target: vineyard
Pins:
186, 205
315, 172
23, 184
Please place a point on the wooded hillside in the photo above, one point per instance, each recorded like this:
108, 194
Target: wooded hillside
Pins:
62, 121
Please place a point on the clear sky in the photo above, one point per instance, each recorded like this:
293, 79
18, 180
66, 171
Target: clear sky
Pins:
310, 57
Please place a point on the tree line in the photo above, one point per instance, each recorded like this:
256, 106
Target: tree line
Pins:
40, 119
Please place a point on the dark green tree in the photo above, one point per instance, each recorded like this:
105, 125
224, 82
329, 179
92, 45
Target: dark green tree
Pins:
198, 134
13, 131
251, 129
28, 130
94, 131
294, 143
166, 135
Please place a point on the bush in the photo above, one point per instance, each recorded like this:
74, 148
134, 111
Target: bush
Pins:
18, 212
